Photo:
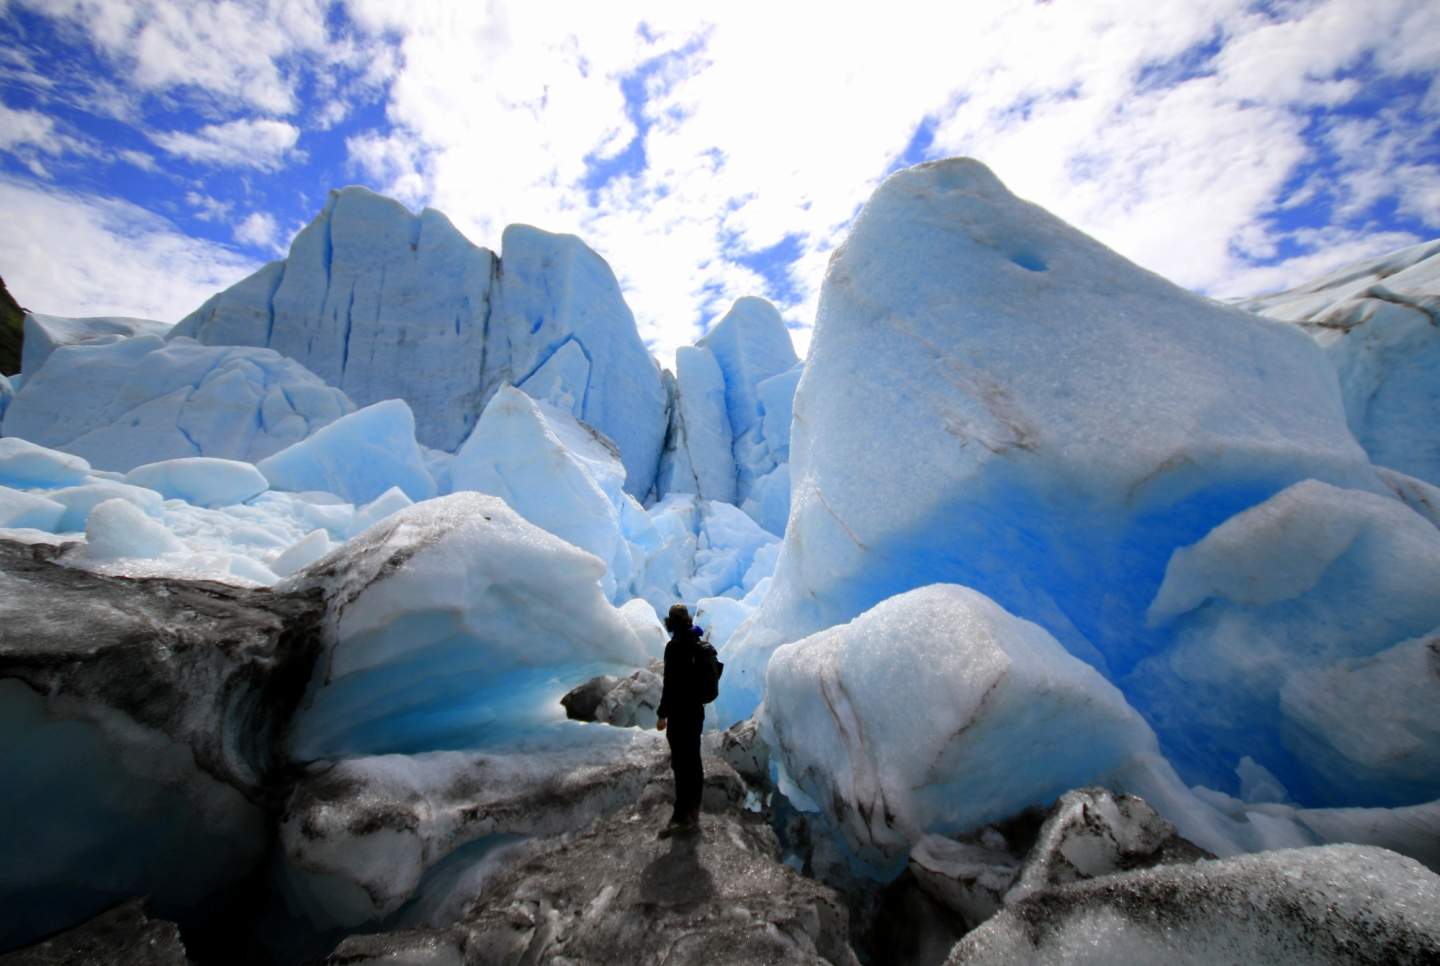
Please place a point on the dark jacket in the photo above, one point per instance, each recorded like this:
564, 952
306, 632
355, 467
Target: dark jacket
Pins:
680, 698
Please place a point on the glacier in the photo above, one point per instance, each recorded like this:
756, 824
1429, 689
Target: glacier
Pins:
1027, 518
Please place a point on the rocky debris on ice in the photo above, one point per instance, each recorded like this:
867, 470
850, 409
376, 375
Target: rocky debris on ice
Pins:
385, 304
744, 749
122, 936
143, 721
1379, 323
46, 333
1418, 495
360, 834
632, 702
583, 701
722, 895
144, 399
1091, 832
1336, 904
450, 621
626, 702
1086, 834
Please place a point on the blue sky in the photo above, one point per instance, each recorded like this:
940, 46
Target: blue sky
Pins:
153, 152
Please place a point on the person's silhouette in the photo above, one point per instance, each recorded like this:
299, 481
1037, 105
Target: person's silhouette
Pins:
682, 718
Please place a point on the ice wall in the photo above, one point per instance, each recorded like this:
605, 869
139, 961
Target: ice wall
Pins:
385, 304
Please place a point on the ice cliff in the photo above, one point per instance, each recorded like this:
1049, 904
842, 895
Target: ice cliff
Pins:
383, 304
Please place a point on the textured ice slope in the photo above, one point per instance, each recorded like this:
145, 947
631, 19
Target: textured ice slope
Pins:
385, 304
1379, 323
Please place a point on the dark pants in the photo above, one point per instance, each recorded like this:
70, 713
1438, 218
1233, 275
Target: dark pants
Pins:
684, 738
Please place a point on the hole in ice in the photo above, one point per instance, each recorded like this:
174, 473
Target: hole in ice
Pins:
1028, 261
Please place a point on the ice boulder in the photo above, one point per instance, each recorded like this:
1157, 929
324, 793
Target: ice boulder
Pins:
46, 333
391, 501
1306, 596
448, 626
119, 530
994, 399
78, 501
358, 457
24, 464
937, 711
19, 509
142, 400
302, 554
1379, 323
201, 480
385, 304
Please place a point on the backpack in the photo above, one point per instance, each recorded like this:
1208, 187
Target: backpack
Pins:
707, 672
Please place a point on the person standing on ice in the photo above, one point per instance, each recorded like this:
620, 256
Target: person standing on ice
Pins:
682, 716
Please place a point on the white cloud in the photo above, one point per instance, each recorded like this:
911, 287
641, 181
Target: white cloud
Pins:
1334, 249
262, 143
768, 122
235, 51
208, 208
23, 128
1171, 131
259, 229
119, 259
139, 159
